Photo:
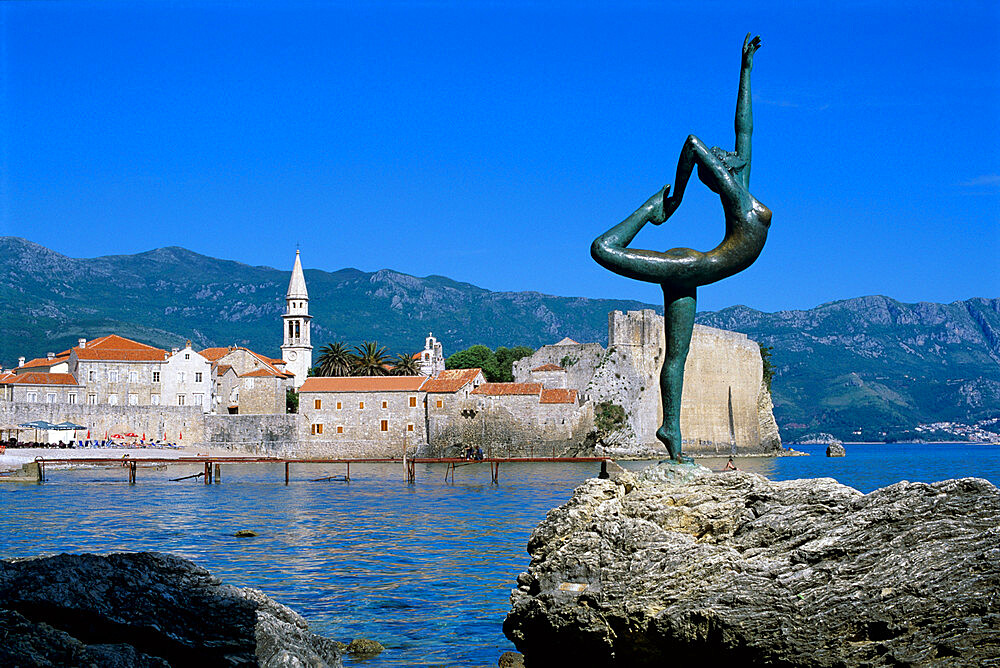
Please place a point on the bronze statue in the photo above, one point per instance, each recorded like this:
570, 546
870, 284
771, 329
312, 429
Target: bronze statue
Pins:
680, 271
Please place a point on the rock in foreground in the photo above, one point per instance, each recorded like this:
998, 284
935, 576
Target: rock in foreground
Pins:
144, 609
685, 565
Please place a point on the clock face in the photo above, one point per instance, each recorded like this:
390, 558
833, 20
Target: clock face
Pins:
292, 355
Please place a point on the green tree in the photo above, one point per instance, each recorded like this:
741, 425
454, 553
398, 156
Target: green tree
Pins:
335, 360
372, 359
291, 401
405, 365
505, 358
765, 356
477, 356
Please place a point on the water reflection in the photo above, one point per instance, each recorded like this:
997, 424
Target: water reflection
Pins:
425, 569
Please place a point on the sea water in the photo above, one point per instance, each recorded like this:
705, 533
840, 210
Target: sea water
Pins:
425, 569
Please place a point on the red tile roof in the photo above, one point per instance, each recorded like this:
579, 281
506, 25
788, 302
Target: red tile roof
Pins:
38, 378
549, 367
451, 380
121, 355
558, 396
266, 373
363, 384
44, 362
222, 369
504, 389
118, 348
213, 354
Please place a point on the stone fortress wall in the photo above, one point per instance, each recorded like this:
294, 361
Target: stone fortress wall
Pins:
724, 402
186, 423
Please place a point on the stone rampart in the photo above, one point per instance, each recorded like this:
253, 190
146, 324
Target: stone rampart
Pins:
187, 422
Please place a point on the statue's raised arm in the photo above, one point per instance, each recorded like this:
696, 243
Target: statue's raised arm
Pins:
744, 114
680, 271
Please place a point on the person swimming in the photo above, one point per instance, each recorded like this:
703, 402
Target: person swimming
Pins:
680, 271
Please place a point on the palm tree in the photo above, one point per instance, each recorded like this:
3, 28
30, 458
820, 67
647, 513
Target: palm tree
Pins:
335, 360
405, 365
371, 360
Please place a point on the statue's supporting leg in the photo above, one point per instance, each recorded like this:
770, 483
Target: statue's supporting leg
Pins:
678, 324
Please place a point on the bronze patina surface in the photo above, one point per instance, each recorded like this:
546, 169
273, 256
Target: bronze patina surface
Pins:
679, 271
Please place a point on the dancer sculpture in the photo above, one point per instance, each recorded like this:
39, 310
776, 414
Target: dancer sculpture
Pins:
680, 271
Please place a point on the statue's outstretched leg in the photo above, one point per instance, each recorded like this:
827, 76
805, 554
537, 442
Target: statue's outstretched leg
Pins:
678, 323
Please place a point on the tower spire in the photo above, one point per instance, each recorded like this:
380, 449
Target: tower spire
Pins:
296, 350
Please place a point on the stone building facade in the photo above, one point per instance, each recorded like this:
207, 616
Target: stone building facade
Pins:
724, 406
246, 382
186, 380
382, 413
431, 357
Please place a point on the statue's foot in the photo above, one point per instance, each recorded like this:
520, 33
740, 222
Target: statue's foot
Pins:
672, 439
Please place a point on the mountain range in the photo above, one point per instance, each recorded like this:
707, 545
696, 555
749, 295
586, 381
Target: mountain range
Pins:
861, 369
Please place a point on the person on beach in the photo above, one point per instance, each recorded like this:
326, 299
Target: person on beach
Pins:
680, 271
730, 466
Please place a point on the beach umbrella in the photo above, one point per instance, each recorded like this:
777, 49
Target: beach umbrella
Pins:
144, 436
67, 426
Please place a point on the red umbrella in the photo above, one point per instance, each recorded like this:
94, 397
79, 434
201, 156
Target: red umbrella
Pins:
88, 434
144, 436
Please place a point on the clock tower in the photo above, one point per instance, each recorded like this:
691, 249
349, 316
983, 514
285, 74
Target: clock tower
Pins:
297, 350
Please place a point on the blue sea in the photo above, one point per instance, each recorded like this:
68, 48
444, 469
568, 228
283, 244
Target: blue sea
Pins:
425, 569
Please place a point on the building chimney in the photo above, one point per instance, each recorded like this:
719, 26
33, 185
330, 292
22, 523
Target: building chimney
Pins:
50, 356
20, 361
173, 351
82, 343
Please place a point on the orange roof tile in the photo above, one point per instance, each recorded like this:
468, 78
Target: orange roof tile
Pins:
121, 355
43, 362
115, 342
549, 367
265, 373
504, 389
451, 380
363, 384
222, 369
213, 354
558, 396
39, 378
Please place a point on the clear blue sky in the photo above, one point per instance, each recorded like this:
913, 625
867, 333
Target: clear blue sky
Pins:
491, 142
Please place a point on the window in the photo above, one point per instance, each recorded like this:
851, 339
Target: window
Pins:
113, 376
50, 397
340, 430
91, 376
317, 404
409, 427
156, 376
180, 376
197, 399
71, 397
180, 399
385, 404
32, 397
317, 429
361, 405
133, 400
427, 356
92, 399
112, 400
133, 376
413, 402
154, 400
187, 356
197, 376
249, 383
440, 403
384, 426
338, 406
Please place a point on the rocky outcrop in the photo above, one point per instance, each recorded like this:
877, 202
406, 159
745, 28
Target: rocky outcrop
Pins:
679, 564
836, 449
144, 609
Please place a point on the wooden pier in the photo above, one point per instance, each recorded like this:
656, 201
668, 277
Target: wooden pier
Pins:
213, 464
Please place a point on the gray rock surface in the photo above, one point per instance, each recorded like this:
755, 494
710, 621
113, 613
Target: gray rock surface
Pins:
144, 609
735, 569
836, 449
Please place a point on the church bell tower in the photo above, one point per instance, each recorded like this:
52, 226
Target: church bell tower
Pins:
297, 350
